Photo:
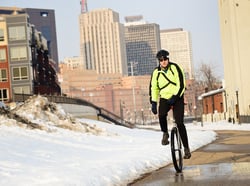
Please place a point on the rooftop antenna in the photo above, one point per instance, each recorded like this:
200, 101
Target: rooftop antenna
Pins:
84, 7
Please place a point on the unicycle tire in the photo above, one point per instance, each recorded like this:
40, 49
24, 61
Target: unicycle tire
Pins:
176, 150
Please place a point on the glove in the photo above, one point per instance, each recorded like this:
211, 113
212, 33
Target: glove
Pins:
154, 107
172, 100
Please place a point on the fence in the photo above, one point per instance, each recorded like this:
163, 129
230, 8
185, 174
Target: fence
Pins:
245, 119
222, 116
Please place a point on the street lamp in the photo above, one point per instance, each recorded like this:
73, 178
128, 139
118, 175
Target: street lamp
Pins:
237, 106
121, 110
225, 95
142, 116
195, 111
200, 98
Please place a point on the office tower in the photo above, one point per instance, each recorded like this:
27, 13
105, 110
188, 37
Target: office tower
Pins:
142, 43
102, 44
235, 32
178, 43
44, 21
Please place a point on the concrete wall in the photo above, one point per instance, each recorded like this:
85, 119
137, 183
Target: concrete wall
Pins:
80, 111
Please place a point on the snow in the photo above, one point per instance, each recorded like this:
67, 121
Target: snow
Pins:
40, 144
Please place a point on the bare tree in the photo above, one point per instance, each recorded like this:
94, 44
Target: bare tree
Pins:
206, 76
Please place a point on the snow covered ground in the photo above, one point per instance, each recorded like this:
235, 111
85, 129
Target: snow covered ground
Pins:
49, 147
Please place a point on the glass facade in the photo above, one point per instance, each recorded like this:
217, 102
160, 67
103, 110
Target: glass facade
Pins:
142, 44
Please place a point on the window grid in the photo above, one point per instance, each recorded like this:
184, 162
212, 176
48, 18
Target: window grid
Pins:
4, 95
22, 90
18, 53
3, 75
17, 33
20, 73
1, 34
2, 55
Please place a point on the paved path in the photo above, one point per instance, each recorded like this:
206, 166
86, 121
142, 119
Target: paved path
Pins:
226, 161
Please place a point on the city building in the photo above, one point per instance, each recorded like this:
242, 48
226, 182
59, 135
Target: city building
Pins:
102, 43
44, 21
125, 96
142, 43
5, 86
235, 29
212, 105
73, 62
178, 43
24, 63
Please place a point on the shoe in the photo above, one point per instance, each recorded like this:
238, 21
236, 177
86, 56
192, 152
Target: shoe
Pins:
187, 154
164, 140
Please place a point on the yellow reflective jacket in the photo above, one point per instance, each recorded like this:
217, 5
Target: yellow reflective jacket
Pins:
168, 82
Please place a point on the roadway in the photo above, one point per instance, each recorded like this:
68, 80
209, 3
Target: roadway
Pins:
226, 161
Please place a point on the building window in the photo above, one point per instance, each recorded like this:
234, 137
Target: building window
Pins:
22, 90
2, 55
1, 35
44, 14
17, 33
4, 95
3, 75
18, 53
20, 73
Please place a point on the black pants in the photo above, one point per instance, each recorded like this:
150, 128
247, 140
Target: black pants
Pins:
178, 112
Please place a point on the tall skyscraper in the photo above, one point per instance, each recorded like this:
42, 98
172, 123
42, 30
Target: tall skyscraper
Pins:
102, 43
178, 43
142, 43
235, 32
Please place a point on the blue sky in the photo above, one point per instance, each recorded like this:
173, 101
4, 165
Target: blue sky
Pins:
199, 17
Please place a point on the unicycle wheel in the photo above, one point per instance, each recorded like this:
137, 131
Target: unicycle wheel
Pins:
176, 150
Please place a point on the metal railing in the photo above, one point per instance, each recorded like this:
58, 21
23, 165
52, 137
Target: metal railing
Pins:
101, 112
244, 119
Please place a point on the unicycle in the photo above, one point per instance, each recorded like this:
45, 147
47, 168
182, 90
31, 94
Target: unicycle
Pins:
176, 149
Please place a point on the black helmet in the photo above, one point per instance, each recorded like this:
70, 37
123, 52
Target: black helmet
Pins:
162, 54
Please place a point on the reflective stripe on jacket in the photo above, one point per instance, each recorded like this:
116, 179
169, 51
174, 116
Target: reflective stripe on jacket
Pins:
167, 83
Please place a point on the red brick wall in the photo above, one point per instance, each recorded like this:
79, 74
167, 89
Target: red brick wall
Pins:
213, 103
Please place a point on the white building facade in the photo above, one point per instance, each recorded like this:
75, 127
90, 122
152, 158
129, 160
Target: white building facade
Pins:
235, 38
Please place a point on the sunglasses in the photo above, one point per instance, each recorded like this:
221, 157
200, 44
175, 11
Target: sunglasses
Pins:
163, 59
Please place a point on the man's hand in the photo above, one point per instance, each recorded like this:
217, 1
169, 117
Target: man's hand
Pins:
154, 107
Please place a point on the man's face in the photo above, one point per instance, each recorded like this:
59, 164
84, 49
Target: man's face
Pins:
163, 62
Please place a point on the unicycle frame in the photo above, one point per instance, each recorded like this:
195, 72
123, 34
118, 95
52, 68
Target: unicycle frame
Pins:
176, 149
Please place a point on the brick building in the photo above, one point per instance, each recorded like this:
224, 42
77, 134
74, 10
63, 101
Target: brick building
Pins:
25, 66
212, 104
